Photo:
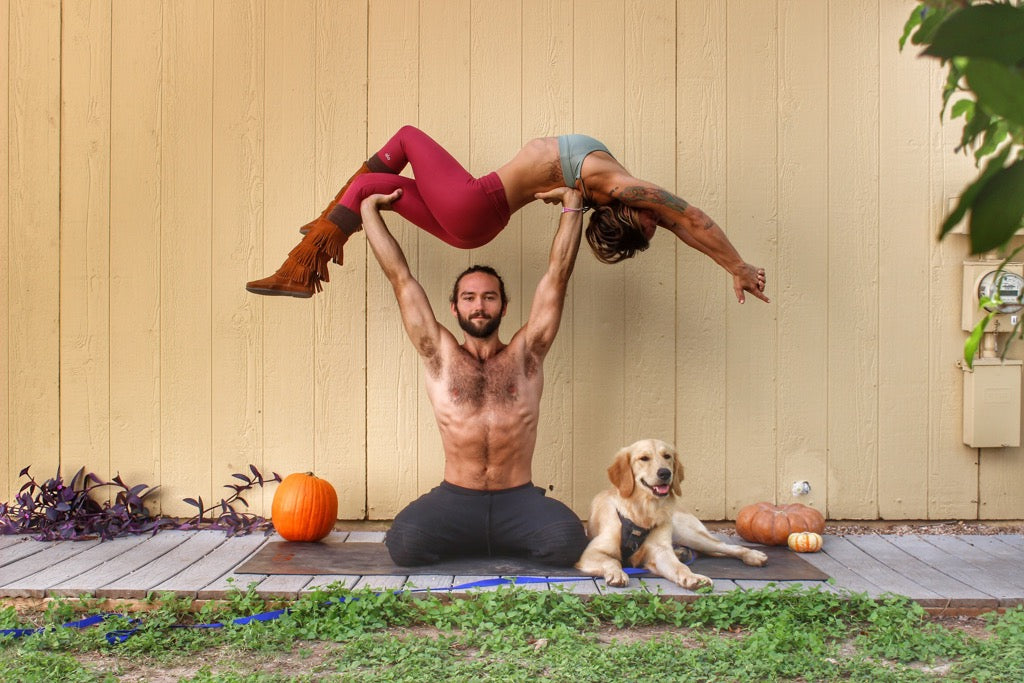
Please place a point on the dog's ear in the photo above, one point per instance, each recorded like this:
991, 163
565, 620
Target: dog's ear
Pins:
677, 475
621, 474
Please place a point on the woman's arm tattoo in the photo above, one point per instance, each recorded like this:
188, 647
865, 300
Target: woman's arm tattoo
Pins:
653, 195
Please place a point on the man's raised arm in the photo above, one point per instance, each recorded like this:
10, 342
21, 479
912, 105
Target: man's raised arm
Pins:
549, 299
418, 317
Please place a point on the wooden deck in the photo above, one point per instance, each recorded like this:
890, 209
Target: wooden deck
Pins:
962, 572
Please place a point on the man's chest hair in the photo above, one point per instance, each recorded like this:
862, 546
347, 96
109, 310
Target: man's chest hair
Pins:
495, 381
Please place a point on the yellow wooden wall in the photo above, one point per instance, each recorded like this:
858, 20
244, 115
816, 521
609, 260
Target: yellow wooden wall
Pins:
160, 153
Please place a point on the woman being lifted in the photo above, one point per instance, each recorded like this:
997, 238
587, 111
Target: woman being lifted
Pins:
467, 212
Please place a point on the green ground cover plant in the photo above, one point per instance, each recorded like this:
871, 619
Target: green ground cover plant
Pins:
515, 634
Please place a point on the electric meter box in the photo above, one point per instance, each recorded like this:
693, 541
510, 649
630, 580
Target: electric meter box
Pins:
984, 279
992, 403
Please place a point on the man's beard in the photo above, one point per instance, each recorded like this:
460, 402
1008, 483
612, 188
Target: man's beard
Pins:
472, 330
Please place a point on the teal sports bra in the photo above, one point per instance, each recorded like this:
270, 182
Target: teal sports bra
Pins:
572, 150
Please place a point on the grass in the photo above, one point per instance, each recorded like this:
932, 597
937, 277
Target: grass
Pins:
520, 635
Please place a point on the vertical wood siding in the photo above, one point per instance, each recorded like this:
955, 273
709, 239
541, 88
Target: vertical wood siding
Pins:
158, 154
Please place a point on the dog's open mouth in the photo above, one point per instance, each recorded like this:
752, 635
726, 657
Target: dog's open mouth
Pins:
660, 490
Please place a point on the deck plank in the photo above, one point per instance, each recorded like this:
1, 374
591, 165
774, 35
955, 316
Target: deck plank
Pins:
840, 574
633, 586
855, 559
891, 551
945, 558
461, 580
51, 553
534, 585
993, 569
348, 581
381, 583
232, 551
116, 566
284, 585
21, 547
918, 581
144, 579
583, 587
38, 583
1012, 540
433, 582
760, 584
656, 585
220, 588
9, 540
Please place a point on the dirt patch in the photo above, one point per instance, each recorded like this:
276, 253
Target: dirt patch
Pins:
306, 659
974, 627
950, 528
639, 634
903, 528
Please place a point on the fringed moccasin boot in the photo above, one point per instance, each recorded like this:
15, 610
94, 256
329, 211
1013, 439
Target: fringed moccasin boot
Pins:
306, 266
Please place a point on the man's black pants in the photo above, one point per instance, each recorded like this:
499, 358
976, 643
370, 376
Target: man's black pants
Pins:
451, 521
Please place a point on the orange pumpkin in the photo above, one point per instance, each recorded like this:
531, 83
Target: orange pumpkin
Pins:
804, 542
305, 507
770, 524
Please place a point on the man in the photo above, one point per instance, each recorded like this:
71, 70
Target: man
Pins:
486, 399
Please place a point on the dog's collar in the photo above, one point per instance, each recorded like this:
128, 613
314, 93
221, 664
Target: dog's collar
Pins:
632, 536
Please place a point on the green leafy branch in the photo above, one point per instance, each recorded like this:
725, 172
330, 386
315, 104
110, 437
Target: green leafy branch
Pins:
982, 45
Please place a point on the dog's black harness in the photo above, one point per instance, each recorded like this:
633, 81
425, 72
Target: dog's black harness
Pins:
632, 536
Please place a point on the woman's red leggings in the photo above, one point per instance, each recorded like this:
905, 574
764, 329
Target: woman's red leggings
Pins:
443, 199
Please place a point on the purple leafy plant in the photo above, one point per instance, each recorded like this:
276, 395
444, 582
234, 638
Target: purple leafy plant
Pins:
59, 510
230, 518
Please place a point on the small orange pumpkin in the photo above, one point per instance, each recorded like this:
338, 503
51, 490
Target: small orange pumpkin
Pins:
804, 542
305, 507
770, 524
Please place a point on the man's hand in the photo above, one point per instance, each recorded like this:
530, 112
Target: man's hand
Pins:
749, 279
566, 196
381, 202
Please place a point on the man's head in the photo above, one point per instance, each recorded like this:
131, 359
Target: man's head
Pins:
617, 232
478, 301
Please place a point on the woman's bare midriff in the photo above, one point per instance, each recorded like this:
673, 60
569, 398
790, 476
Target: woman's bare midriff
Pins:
535, 168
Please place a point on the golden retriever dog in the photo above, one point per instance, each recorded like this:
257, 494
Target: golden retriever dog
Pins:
639, 520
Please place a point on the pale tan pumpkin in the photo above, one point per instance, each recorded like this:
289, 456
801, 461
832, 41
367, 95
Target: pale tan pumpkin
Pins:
804, 542
305, 507
771, 524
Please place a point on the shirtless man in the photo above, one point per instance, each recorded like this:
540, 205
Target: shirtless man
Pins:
486, 399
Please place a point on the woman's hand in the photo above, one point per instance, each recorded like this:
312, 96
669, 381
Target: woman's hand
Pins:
566, 196
750, 279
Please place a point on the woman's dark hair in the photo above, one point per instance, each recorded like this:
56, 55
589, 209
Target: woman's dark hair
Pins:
479, 269
614, 233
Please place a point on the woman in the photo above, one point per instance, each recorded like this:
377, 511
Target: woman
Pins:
467, 212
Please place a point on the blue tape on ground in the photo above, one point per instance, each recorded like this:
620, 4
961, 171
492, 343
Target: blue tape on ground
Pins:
81, 623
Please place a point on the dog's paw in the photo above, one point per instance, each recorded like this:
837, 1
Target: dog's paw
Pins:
616, 577
755, 558
693, 581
